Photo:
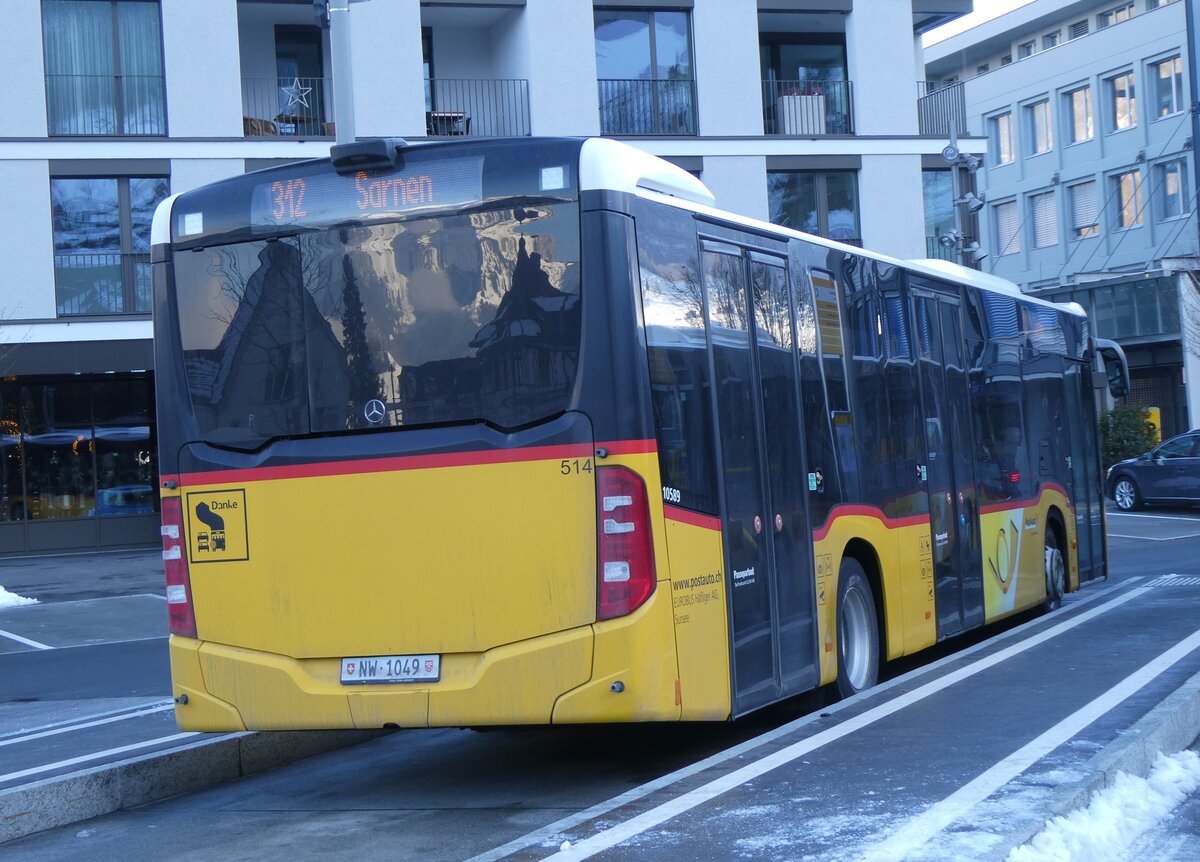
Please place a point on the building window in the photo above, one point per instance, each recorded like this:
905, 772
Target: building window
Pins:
102, 243
938, 193
104, 68
1008, 228
1079, 113
1085, 210
824, 203
1006, 59
981, 69
806, 88
1079, 28
1041, 137
1001, 138
644, 66
1154, 4
1043, 211
1172, 179
1025, 49
1050, 40
1114, 16
1122, 102
1168, 86
1127, 196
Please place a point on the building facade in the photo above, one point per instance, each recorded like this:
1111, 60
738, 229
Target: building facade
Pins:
1089, 176
804, 111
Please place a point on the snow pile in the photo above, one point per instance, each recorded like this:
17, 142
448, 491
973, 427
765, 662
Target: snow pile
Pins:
1116, 816
12, 600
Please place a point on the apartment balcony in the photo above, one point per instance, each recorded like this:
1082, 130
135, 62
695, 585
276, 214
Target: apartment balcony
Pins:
807, 108
116, 105
630, 107
941, 107
477, 107
102, 283
287, 107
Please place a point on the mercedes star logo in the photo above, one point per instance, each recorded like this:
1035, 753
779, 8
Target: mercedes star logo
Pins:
374, 411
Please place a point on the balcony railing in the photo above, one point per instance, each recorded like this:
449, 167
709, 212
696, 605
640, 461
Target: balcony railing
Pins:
641, 107
106, 105
104, 283
937, 251
480, 107
287, 107
807, 108
941, 106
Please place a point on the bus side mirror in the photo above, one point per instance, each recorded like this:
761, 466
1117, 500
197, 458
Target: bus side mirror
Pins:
1116, 369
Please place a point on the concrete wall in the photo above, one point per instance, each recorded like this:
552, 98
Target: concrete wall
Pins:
462, 52
26, 241
389, 82
551, 44
890, 207
881, 65
728, 75
187, 174
739, 184
203, 77
23, 98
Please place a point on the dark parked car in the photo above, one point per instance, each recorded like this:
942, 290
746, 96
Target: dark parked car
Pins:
1168, 474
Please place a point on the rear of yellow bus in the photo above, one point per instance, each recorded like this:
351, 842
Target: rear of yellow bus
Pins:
408, 473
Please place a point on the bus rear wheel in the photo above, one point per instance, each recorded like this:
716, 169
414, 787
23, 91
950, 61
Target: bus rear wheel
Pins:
858, 631
1056, 571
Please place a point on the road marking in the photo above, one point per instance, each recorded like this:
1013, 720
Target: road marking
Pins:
1147, 515
621, 832
41, 734
96, 755
134, 708
1152, 539
21, 640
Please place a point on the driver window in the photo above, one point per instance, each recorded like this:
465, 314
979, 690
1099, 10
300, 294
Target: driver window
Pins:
1180, 448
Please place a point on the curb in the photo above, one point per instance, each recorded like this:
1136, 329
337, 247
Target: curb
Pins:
1171, 726
89, 793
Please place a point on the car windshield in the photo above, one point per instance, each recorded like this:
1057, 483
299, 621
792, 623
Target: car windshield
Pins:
465, 317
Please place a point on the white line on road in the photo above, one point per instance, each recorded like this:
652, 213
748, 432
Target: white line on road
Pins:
86, 724
92, 717
1148, 515
96, 755
1152, 539
615, 835
21, 640
898, 845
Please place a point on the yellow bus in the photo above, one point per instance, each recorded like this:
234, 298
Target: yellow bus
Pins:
526, 431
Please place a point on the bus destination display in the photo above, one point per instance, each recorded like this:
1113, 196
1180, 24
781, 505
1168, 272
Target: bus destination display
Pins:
327, 198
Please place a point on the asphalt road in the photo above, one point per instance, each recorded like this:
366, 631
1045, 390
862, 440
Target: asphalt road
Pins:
457, 794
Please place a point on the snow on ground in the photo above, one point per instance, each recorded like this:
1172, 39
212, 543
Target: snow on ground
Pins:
1116, 816
12, 600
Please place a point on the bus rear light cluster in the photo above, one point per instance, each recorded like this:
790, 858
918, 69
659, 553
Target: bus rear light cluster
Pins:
181, 615
626, 570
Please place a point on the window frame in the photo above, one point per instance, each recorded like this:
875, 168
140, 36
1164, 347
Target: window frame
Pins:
1038, 124
821, 198
1109, 17
995, 125
126, 230
1070, 118
1160, 175
1025, 50
1175, 86
1113, 117
1034, 199
1051, 40
1077, 231
1014, 245
1119, 203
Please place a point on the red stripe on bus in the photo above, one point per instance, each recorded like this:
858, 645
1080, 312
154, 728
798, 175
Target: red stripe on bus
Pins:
360, 466
1026, 502
868, 512
696, 519
630, 447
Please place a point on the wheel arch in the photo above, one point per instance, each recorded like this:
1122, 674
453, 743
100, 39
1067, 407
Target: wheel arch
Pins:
1056, 522
864, 553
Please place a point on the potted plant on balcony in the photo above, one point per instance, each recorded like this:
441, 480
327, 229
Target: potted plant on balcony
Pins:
800, 109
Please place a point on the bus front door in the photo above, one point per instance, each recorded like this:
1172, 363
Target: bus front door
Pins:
950, 466
768, 558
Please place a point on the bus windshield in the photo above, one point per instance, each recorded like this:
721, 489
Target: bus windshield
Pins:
468, 316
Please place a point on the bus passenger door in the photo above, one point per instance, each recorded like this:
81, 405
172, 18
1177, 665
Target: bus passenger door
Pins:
768, 563
949, 473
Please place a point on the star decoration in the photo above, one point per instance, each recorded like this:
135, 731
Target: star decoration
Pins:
297, 95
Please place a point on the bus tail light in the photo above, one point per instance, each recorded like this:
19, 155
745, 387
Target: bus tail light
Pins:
181, 615
626, 571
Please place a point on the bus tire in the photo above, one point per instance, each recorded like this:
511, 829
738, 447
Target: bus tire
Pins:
858, 631
1056, 570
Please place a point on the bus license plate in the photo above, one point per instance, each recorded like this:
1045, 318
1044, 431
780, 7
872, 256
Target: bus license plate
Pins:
391, 668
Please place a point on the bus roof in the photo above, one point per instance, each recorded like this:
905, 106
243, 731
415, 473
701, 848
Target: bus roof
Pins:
605, 164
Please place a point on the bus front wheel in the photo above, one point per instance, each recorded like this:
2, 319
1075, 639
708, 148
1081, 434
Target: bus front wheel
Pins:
858, 631
1056, 571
